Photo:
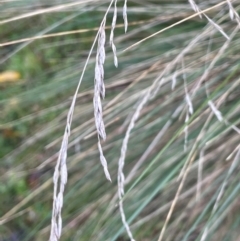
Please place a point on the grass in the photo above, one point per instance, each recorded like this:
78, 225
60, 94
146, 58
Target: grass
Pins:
181, 168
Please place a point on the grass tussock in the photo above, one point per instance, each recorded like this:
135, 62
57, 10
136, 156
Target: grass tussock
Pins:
142, 93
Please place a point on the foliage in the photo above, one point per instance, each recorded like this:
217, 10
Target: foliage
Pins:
182, 161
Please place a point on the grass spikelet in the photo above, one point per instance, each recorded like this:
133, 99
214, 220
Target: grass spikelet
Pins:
125, 16
217, 113
99, 91
103, 162
195, 7
189, 103
217, 27
174, 80
59, 180
99, 87
186, 132
232, 11
200, 170
114, 20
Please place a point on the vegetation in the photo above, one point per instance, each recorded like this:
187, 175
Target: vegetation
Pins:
171, 114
